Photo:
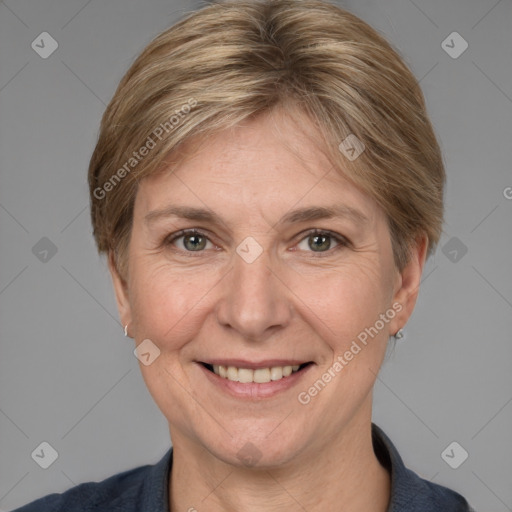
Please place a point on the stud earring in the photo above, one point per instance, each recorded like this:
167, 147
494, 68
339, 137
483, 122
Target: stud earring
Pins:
126, 330
399, 334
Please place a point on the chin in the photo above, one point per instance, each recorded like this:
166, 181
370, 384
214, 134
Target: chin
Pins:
256, 448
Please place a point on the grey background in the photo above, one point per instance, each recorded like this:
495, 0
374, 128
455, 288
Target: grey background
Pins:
67, 374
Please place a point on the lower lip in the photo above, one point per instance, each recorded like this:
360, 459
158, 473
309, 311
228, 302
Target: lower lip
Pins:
254, 389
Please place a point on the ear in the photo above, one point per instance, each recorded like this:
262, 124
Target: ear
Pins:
407, 285
121, 291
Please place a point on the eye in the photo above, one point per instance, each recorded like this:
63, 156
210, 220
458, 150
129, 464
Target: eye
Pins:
321, 241
317, 241
190, 241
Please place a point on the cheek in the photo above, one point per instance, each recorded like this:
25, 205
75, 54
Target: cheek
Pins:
163, 300
168, 307
343, 308
343, 302
167, 303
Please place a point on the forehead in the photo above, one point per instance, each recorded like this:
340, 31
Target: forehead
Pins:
269, 163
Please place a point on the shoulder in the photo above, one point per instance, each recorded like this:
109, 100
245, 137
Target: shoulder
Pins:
410, 492
139, 489
426, 496
118, 492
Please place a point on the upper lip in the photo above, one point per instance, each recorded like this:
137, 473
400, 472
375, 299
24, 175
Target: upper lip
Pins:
268, 363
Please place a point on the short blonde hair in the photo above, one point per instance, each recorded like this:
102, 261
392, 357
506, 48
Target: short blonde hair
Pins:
232, 60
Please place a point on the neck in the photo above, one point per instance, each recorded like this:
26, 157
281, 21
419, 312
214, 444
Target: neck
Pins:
342, 473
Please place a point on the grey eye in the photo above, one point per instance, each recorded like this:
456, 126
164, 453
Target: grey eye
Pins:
319, 243
194, 242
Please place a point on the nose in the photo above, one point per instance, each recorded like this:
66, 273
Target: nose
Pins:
255, 301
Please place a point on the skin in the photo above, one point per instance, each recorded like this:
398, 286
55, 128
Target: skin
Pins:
292, 302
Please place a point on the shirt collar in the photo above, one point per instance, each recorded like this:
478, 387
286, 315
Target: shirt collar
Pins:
156, 485
408, 490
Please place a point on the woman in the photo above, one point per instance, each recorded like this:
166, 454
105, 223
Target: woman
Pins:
267, 186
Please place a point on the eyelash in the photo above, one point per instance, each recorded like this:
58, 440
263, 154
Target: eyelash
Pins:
340, 240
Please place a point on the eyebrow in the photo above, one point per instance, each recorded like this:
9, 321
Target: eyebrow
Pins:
292, 217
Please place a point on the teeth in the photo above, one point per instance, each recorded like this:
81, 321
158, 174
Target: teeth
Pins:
261, 375
276, 372
245, 375
232, 373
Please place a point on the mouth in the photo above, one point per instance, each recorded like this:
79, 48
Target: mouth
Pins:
257, 375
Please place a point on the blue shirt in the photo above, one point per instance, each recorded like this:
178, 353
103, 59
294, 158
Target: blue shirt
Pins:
146, 489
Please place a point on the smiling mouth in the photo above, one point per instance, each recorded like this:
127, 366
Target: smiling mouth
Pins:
259, 375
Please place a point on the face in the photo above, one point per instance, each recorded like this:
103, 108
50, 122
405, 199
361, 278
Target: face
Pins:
250, 257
